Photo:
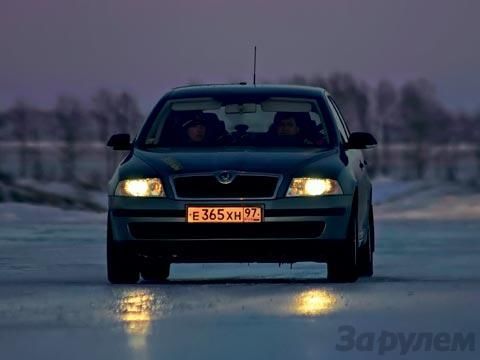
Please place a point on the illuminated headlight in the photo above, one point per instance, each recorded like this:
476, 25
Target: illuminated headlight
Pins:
150, 187
313, 187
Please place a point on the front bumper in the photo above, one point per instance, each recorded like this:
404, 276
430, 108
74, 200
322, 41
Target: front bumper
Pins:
293, 229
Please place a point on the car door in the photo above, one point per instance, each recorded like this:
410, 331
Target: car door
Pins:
357, 164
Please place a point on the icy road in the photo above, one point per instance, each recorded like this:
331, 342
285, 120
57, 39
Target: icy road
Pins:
422, 303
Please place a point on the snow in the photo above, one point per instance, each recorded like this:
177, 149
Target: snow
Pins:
440, 202
66, 190
53, 187
24, 213
386, 189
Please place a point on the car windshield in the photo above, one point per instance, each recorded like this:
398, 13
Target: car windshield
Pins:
275, 122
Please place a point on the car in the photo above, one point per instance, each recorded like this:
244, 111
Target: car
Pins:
241, 173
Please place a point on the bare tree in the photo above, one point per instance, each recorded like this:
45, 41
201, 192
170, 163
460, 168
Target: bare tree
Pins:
475, 127
114, 114
70, 117
319, 81
298, 79
127, 117
352, 98
3, 120
38, 172
103, 112
18, 116
418, 109
127, 114
386, 97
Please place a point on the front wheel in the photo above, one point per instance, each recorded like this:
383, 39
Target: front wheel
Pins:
121, 265
343, 266
365, 261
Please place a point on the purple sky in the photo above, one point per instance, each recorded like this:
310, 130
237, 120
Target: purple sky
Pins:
53, 47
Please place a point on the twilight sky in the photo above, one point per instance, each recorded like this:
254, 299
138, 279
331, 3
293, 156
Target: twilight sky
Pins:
52, 47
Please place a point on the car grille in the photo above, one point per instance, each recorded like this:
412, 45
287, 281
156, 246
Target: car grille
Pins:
265, 230
208, 187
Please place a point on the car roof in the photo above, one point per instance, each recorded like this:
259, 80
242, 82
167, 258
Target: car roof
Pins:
242, 89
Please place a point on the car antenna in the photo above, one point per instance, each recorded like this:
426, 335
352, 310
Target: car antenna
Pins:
254, 64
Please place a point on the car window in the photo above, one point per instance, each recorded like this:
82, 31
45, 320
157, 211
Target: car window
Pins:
338, 121
276, 122
342, 118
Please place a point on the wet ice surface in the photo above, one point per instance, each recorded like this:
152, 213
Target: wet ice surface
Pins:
55, 301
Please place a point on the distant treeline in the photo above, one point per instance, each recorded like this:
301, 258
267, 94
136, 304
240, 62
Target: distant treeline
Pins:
409, 115
70, 124
71, 120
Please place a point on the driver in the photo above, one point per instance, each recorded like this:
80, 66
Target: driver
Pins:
287, 125
285, 129
294, 129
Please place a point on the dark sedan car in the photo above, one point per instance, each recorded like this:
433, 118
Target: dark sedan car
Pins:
241, 173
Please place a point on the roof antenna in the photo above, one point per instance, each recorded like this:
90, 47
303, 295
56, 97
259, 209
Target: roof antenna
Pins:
254, 64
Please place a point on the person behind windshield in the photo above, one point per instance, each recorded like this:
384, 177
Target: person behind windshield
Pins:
294, 129
286, 125
285, 129
194, 129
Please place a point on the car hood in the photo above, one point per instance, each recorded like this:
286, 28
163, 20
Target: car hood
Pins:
267, 161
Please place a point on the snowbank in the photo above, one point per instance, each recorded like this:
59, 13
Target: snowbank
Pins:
22, 213
387, 189
66, 190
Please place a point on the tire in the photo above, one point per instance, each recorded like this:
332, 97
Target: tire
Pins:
121, 265
365, 254
343, 266
157, 272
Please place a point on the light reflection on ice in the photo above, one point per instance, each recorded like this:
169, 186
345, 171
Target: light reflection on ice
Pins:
135, 310
314, 302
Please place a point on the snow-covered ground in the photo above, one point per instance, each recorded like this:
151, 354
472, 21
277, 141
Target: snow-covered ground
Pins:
29, 214
66, 190
55, 301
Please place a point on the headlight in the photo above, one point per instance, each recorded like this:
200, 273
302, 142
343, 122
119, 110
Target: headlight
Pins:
313, 187
150, 187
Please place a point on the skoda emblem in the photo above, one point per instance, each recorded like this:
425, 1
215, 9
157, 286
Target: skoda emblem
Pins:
225, 177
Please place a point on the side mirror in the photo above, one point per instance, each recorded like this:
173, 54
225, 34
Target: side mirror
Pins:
361, 140
120, 142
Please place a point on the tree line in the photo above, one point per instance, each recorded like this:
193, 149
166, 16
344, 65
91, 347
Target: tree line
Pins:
409, 115
67, 126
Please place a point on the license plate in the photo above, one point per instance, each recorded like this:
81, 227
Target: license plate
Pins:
224, 214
